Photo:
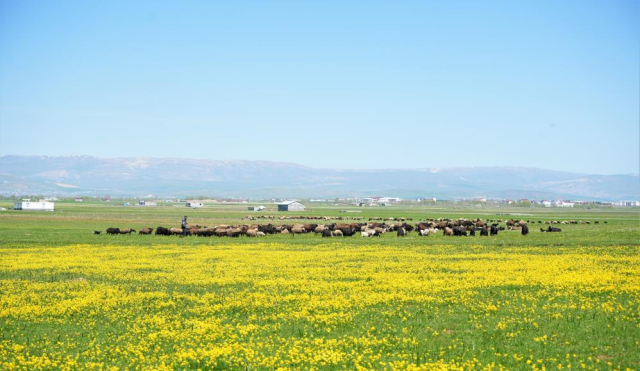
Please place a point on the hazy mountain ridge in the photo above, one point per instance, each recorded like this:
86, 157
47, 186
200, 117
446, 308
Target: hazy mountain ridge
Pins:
86, 175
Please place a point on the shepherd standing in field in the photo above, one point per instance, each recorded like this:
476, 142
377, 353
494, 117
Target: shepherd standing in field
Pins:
184, 226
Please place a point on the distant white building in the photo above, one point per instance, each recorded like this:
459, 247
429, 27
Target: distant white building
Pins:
291, 206
627, 203
195, 204
41, 205
546, 203
564, 204
256, 208
147, 203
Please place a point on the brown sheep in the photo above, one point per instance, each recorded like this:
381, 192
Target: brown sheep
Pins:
234, 232
127, 231
448, 231
220, 232
146, 231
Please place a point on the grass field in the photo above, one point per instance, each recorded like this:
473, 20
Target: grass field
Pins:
73, 300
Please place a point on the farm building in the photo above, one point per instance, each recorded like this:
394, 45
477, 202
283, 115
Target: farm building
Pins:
564, 204
26, 204
256, 208
389, 200
195, 204
147, 203
290, 206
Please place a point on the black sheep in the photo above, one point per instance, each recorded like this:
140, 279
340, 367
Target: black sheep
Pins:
494, 230
162, 231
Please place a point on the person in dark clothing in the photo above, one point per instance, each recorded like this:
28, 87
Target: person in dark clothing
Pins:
184, 226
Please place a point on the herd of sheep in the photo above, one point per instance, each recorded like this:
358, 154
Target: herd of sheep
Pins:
449, 227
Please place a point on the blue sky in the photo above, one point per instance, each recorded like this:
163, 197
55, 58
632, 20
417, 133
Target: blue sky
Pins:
344, 84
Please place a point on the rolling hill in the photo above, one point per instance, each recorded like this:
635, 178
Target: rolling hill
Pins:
179, 177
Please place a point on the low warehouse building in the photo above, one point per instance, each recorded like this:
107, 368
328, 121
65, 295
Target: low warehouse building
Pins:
26, 204
290, 206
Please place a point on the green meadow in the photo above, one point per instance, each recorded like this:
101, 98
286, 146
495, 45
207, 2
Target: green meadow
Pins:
70, 299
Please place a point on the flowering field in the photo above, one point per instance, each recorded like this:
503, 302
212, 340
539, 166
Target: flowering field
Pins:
330, 305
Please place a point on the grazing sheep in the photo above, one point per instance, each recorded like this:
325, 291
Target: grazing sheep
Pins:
260, 234
494, 230
338, 233
127, 230
113, 230
525, 230
298, 230
448, 231
162, 231
459, 231
146, 231
220, 232
205, 232
252, 233
327, 233
97, 232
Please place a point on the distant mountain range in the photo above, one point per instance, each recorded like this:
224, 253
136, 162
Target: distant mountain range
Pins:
178, 177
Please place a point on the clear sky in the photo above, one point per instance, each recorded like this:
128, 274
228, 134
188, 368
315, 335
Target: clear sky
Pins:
340, 84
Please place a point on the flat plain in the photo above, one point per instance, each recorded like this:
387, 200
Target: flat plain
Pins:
70, 299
